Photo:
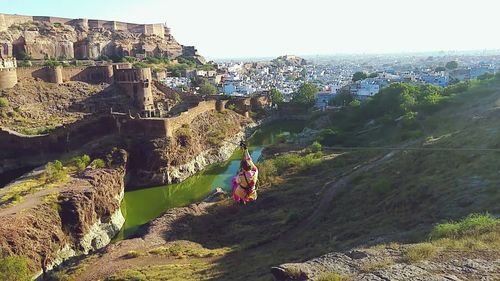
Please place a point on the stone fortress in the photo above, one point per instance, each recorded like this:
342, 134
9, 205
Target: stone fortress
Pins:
41, 37
88, 39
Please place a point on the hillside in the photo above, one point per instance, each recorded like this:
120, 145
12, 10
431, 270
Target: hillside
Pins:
383, 212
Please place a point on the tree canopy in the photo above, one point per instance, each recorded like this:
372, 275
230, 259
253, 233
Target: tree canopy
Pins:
208, 89
440, 68
276, 96
360, 75
306, 94
452, 64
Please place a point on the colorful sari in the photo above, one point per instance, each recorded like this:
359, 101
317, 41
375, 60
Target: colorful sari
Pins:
244, 183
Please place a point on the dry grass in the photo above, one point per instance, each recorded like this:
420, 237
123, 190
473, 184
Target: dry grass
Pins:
194, 270
183, 249
420, 252
373, 266
133, 255
332, 276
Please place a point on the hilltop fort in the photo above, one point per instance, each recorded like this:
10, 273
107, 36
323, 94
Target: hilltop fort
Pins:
41, 37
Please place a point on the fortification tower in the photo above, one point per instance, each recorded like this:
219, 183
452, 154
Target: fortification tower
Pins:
55, 75
136, 83
8, 73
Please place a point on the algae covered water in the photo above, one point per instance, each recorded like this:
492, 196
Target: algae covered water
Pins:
141, 206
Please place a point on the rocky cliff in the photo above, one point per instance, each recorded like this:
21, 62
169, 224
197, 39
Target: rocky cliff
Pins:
80, 216
212, 137
47, 37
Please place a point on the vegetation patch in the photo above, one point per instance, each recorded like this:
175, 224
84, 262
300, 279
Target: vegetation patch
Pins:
373, 266
133, 254
14, 268
475, 232
420, 252
183, 249
332, 276
194, 270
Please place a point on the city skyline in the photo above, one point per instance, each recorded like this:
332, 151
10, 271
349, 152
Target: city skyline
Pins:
244, 29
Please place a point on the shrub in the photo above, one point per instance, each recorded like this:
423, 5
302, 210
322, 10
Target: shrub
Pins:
98, 164
267, 171
315, 147
472, 225
355, 103
419, 252
52, 63
132, 255
55, 171
14, 268
4, 103
128, 59
81, 163
140, 65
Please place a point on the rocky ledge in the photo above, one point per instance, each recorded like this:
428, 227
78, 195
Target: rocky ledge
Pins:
215, 155
390, 264
84, 215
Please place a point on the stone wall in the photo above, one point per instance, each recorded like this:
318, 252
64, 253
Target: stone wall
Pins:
8, 78
188, 116
91, 74
148, 29
62, 139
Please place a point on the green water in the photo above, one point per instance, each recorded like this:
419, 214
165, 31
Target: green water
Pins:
141, 206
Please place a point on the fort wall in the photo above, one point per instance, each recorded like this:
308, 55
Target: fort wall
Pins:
8, 78
92, 74
73, 136
148, 29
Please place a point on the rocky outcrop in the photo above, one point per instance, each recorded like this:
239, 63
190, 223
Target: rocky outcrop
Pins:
84, 216
205, 158
210, 138
389, 264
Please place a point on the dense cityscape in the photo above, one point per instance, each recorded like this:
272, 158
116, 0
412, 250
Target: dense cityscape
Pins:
334, 75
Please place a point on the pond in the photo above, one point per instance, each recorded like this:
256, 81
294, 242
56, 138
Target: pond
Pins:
141, 206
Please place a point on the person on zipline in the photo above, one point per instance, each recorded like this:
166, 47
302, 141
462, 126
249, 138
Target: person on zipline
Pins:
244, 183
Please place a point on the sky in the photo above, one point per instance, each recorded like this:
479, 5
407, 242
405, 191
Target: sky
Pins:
268, 28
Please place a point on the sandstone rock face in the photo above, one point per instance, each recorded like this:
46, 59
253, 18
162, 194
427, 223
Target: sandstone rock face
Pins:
85, 217
207, 157
40, 38
388, 264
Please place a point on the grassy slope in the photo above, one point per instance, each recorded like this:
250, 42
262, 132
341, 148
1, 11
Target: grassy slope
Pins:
398, 201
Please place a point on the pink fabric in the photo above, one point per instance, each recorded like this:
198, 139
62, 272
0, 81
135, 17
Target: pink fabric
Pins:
234, 185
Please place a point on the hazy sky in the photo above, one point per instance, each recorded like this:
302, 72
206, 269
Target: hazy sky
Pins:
258, 28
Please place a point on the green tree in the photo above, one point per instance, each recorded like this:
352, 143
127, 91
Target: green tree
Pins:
360, 75
440, 68
55, 171
306, 94
344, 98
276, 96
452, 65
198, 81
208, 89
